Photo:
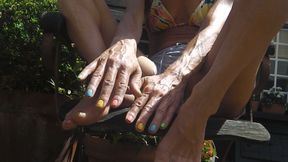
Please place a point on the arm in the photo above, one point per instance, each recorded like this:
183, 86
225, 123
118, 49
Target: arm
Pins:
242, 42
169, 87
118, 66
202, 43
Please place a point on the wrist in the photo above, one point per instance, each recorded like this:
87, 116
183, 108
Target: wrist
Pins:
127, 44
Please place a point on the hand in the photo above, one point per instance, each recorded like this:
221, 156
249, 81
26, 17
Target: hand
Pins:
115, 68
162, 95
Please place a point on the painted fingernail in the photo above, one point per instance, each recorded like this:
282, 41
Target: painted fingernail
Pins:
89, 92
163, 126
114, 103
81, 114
100, 104
152, 128
140, 127
129, 118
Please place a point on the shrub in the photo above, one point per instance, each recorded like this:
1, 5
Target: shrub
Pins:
21, 65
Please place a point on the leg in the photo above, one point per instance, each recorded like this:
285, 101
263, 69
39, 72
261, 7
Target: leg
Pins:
241, 43
90, 25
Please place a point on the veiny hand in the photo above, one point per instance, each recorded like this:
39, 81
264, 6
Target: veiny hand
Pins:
115, 68
162, 94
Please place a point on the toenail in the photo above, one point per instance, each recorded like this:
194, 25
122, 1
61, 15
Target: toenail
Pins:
81, 114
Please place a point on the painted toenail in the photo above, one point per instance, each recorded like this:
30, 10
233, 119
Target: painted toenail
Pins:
81, 114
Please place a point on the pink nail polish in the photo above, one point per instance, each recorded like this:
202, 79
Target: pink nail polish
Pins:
114, 103
129, 119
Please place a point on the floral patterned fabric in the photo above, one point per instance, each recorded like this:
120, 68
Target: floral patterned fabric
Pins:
160, 18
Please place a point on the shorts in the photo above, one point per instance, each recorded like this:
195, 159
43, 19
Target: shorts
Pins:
167, 56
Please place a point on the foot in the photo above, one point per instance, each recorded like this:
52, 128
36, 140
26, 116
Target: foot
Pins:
86, 112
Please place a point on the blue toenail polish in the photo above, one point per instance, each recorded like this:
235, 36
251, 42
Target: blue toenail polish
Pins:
89, 92
152, 128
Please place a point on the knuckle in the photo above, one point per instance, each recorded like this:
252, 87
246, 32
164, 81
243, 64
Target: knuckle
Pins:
133, 112
148, 108
122, 85
113, 61
108, 82
161, 110
96, 75
137, 103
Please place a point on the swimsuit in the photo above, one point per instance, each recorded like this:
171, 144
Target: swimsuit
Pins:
160, 19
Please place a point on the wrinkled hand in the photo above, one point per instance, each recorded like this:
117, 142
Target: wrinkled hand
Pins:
115, 68
162, 94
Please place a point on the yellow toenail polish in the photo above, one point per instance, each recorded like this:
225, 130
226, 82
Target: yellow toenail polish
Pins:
82, 114
140, 127
100, 104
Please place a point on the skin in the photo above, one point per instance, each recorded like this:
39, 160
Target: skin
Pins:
236, 62
230, 53
111, 53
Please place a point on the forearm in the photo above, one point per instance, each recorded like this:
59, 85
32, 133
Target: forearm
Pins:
200, 45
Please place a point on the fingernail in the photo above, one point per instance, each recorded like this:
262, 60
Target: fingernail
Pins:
100, 104
129, 119
140, 127
163, 126
80, 76
81, 114
114, 103
152, 128
89, 92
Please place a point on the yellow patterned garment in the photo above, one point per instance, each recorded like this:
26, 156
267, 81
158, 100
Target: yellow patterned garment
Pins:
160, 19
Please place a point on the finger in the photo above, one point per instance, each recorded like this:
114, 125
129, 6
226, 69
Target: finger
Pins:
120, 87
107, 86
95, 79
146, 113
160, 113
136, 82
136, 107
170, 114
88, 70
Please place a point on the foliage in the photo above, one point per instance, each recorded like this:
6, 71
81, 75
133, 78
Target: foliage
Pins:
274, 96
21, 66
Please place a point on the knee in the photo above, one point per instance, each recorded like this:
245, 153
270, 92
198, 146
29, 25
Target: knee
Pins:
66, 5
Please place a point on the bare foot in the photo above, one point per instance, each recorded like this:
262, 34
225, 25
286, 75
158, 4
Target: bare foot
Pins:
86, 112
